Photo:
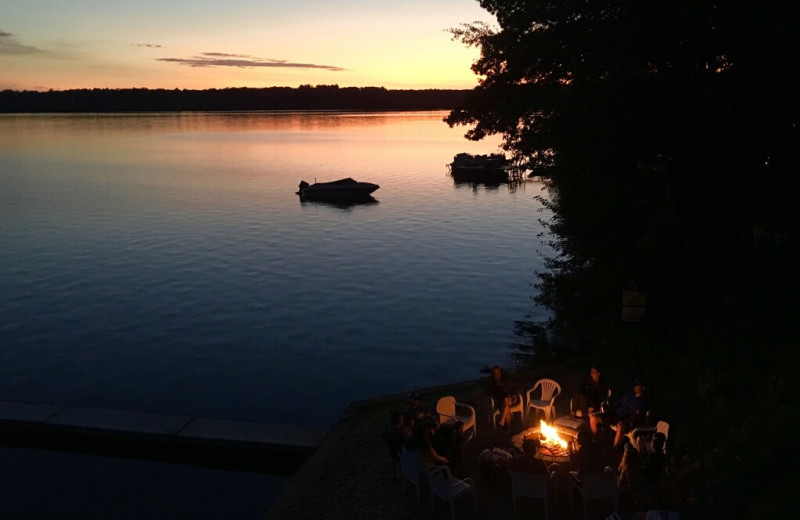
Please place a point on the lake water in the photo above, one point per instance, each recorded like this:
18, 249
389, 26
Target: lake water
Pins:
163, 263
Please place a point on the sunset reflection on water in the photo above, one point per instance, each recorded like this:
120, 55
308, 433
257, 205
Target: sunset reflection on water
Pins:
172, 248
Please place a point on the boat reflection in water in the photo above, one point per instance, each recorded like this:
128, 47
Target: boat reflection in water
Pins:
475, 185
344, 204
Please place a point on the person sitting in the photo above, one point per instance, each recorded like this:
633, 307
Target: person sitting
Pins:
396, 432
629, 479
527, 461
632, 411
588, 458
655, 473
588, 400
500, 388
421, 442
413, 410
394, 435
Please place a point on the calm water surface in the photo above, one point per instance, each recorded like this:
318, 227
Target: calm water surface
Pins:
163, 263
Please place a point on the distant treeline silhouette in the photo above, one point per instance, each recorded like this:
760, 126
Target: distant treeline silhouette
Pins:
305, 97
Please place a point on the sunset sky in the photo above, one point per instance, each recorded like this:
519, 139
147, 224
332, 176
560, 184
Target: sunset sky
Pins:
53, 44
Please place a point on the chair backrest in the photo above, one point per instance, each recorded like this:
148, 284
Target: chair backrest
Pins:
599, 485
606, 403
446, 408
491, 409
550, 389
663, 427
410, 466
528, 484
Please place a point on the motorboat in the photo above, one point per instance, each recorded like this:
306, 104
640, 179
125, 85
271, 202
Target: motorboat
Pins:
469, 167
343, 189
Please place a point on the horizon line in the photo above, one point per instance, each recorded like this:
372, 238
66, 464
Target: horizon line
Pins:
48, 89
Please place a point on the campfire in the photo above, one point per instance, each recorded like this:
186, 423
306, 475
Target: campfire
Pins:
552, 447
548, 436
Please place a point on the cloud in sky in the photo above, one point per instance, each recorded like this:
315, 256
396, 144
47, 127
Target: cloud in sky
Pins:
148, 45
221, 59
10, 46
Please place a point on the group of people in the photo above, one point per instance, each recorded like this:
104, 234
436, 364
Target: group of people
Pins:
641, 472
591, 402
418, 431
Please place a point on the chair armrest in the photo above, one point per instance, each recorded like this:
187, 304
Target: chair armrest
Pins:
641, 430
436, 468
454, 419
467, 406
468, 481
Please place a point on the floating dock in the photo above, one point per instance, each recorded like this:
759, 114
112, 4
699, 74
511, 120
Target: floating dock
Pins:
275, 449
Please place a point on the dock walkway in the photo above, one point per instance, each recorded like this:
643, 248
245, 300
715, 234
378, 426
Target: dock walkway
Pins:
220, 443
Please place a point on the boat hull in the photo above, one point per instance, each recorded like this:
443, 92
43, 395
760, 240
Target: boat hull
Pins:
344, 189
469, 168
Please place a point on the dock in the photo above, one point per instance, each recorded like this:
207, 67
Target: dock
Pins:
275, 449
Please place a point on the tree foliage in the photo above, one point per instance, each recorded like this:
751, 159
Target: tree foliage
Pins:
669, 134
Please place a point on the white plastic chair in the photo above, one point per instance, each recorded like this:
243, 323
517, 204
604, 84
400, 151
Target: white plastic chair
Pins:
494, 413
448, 409
549, 391
533, 485
412, 471
663, 427
445, 486
598, 486
645, 433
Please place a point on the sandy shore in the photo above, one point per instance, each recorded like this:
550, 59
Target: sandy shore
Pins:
350, 475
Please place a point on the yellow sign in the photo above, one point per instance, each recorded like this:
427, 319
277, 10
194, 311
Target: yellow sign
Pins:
633, 298
633, 304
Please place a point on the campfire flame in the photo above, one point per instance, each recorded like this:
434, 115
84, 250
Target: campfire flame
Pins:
550, 436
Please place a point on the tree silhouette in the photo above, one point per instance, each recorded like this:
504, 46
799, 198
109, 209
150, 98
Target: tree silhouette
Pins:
668, 133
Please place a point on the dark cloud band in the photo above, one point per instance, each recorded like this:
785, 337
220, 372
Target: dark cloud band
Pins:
220, 59
10, 46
